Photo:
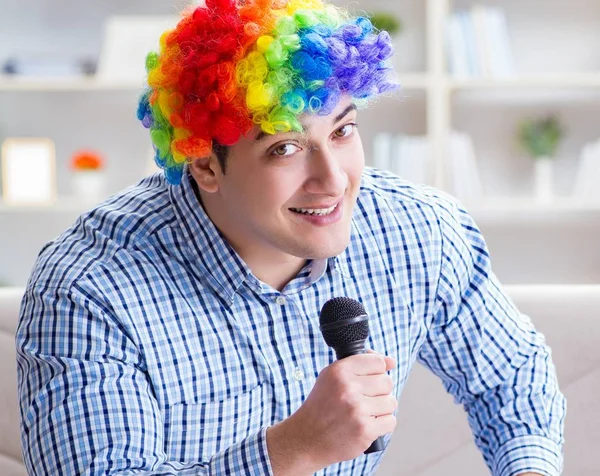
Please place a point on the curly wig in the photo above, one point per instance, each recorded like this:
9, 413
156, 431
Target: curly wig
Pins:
232, 64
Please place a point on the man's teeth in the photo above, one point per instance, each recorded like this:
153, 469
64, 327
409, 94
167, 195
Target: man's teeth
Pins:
315, 211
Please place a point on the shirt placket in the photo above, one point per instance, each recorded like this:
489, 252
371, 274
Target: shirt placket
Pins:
291, 338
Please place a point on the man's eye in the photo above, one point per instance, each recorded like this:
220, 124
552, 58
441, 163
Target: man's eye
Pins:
285, 149
345, 131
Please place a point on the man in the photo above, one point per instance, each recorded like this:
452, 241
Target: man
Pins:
174, 328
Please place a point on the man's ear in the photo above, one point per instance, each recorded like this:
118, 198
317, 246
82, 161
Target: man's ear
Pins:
206, 172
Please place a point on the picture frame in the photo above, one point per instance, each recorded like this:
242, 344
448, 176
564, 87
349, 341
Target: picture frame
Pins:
127, 41
28, 171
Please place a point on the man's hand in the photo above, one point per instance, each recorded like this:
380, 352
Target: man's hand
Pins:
349, 407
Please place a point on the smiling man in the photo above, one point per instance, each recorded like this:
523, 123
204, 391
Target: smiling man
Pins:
174, 328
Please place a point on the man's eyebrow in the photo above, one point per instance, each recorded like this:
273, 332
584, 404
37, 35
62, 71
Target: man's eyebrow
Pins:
344, 113
352, 107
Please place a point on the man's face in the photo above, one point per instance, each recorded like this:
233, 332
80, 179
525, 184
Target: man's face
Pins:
292, 193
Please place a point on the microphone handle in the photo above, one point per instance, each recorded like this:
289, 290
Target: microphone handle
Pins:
376, 446
346, 351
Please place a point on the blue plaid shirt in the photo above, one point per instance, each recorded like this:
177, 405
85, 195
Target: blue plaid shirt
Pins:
146, 345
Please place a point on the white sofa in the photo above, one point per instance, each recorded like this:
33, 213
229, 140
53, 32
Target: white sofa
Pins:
432, 436
11, 462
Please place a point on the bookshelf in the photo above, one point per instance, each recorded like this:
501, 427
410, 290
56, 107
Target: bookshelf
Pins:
554, 73
423, 71
537, 87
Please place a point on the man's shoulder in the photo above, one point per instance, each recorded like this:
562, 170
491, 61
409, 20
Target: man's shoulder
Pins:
125, 220
412, 216
399, 198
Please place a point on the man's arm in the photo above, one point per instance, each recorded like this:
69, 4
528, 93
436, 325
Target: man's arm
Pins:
490, 357
87, 406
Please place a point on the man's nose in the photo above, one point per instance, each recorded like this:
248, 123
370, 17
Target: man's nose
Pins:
326, 174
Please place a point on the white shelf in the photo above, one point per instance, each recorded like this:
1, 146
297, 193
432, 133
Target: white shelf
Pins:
407, 80
529, 204
527, 210
67, 84
414, 80
61, 205
589, 80
552, 291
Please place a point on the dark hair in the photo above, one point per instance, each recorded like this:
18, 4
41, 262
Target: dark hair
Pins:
221, 151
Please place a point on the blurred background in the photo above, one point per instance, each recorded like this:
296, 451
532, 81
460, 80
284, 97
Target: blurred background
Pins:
500, 107
500, 101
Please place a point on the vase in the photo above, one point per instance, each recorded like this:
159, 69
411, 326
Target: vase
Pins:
543, 171
89, 185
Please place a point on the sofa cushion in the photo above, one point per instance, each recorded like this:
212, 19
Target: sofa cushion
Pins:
10, 446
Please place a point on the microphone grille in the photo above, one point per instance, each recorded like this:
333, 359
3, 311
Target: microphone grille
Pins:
339, 309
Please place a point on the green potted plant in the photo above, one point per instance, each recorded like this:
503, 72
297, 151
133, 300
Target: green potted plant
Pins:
539, 138
386, 21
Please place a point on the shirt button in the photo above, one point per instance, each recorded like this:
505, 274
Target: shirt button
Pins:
280, 300
298, 374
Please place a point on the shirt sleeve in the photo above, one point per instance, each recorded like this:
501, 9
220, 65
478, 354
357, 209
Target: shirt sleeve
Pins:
490, 357
87, 405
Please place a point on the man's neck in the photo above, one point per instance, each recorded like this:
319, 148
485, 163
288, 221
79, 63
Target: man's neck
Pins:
274, 269
277, 273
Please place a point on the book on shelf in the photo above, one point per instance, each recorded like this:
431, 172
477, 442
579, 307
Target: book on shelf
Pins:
478, 44
586, 189
410, 158
455, 44
382, 149
405, 156
503, 64
478, 60
462, 171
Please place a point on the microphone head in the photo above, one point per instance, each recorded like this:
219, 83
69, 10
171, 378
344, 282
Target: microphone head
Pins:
343, 321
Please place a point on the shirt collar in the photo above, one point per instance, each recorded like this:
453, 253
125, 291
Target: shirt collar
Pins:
219, 261
339, 264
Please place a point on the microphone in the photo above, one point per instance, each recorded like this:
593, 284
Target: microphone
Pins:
344, 324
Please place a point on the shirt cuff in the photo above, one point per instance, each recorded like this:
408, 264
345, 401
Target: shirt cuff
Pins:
249, 456
530, 453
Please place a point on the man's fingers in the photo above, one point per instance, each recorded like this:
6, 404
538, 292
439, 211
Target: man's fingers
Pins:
375, 385
382, 405
368, 364
390, 362
385, 423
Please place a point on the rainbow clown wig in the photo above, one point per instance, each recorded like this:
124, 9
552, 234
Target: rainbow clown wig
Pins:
235, 63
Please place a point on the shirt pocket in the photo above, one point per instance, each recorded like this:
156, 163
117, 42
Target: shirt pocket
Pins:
196, 432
